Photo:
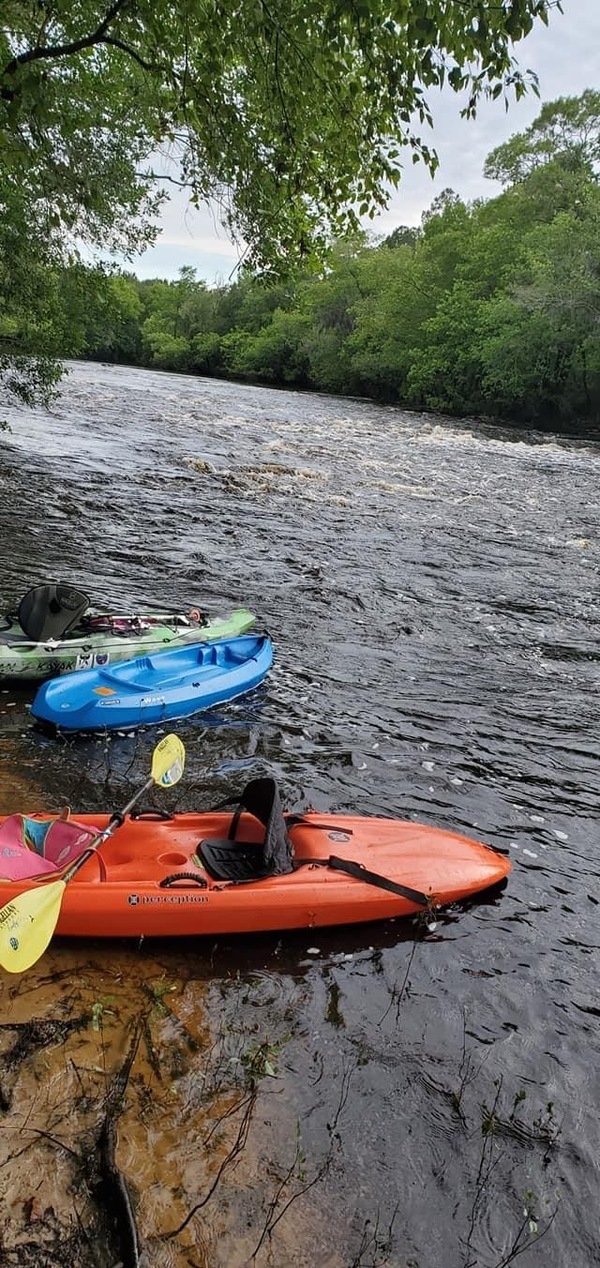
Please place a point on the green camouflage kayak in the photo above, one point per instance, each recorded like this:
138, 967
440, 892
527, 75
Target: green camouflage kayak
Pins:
102, 639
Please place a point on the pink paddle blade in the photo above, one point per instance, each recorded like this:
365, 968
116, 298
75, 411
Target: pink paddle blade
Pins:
65, 841
17, 861
33, 847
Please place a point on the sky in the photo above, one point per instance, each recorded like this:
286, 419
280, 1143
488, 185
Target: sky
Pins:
566, 58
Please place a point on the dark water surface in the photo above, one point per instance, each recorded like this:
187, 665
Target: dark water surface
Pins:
413, 1098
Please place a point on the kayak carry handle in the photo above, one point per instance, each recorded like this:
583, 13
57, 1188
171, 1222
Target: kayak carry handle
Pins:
150, 813
191, 878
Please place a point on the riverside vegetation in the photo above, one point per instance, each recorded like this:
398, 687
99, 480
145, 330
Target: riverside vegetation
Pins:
488, 307
298, 123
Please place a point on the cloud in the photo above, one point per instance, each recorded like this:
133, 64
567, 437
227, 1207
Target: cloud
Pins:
189, 236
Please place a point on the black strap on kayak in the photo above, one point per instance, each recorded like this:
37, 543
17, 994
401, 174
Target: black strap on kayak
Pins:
292, 821
359, 873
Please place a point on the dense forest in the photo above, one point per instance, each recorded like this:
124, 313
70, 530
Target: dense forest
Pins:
490, 307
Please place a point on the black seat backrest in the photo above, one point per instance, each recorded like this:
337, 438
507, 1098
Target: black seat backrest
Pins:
235, 860
261, 799
49, 611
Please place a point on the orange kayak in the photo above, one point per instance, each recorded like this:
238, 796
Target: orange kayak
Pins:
211, 873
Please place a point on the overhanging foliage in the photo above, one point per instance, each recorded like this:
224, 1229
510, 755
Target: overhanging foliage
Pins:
295, 116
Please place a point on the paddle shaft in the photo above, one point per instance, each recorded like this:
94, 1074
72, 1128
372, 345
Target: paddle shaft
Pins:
114, 823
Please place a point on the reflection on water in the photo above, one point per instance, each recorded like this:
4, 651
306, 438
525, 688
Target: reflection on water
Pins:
347, 1096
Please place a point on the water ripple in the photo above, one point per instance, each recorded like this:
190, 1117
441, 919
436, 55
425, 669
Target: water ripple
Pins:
431, 590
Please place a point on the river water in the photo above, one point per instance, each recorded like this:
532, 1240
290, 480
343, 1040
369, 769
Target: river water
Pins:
377, 1095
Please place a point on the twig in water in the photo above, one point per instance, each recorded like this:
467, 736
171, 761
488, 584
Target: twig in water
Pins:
397, 996
372, 1239
270, 1222
467, 1071
521, 1243
236, 1149
54, 1140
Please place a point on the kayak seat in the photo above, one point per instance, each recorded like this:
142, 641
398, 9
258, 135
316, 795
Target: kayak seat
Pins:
49, 611
227, 860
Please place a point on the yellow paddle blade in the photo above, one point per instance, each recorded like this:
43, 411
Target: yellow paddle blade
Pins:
168, 761
27, 924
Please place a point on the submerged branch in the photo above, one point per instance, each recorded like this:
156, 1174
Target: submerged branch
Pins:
248, 1104
118, 1198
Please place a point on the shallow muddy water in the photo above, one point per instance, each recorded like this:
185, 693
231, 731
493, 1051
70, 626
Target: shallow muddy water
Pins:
367, 1096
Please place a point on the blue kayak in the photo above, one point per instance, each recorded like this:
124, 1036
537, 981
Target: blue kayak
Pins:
157, 688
